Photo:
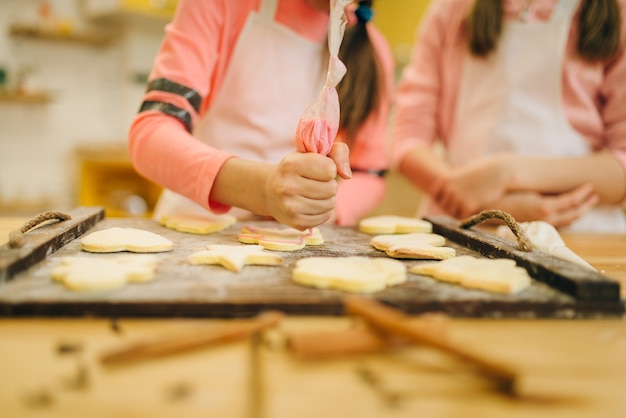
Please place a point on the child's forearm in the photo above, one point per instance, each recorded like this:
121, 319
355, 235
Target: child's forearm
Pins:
241, 183
424, 168
558, 175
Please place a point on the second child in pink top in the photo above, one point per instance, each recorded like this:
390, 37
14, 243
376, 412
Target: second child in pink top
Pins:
532, 120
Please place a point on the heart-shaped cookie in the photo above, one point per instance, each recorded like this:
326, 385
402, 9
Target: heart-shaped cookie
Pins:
117, 239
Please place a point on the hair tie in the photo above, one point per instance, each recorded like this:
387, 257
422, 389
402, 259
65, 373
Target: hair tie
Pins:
364, 13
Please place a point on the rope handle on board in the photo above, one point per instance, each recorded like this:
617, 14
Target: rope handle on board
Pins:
522, 238
16, 238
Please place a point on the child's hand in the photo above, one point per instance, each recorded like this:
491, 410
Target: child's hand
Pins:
472, 187
301, 190
560, 210
340, 154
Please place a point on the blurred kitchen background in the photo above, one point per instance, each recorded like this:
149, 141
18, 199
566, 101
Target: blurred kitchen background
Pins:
72, 74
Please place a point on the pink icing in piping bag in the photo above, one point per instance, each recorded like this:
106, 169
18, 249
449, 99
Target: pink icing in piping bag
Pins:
319, 124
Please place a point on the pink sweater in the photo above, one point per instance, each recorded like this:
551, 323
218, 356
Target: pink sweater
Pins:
195, 52
594, 95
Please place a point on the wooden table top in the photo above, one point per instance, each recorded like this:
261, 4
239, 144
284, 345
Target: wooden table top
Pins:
567, 368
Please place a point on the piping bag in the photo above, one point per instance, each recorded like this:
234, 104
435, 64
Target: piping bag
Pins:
319, 124
546, 238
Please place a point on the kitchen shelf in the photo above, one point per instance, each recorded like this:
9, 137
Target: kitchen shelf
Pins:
84, 37
39, 97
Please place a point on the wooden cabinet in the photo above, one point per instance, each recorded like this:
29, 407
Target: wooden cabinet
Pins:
119, 9
107, 178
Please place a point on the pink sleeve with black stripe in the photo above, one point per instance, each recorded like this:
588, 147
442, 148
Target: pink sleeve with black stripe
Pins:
160, 143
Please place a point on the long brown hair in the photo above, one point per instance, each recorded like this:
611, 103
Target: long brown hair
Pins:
599, 32
360, 89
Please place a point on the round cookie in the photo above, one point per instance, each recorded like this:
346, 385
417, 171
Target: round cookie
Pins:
391, 224
196, 224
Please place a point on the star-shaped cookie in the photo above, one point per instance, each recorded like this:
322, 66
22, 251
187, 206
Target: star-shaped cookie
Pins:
280, 239
418, 245
234, 257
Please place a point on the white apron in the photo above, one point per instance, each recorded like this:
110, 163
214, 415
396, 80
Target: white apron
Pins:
272, 76
512, 101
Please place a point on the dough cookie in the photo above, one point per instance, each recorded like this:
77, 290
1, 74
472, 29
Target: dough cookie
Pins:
117, 239
418, 245
351, 274
90, 274
500, 275
234, 257
390, 224
196, 224
280, 239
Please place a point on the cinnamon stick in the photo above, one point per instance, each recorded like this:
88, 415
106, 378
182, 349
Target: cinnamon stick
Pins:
325, 344
396, 322
172, 344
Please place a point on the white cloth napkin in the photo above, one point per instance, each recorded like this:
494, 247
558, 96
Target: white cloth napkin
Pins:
546, 238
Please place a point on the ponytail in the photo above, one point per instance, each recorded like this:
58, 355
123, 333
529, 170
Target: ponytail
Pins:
360, 90
484, 25
599, 28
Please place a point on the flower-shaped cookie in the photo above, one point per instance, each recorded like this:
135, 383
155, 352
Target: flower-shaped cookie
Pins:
391, 224
107, 273
418, 245
351, 274
500, 275
234, 257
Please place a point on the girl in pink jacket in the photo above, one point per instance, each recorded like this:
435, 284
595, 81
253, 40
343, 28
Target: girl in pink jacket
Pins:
229, 84
528, 100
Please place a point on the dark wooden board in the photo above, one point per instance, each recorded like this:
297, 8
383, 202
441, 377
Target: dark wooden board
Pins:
45, 240
184, 290
583, 284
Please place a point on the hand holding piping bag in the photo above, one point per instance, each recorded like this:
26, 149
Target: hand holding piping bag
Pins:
319, 123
